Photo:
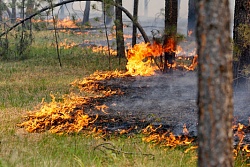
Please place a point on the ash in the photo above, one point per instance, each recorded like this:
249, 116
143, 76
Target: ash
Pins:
166, 99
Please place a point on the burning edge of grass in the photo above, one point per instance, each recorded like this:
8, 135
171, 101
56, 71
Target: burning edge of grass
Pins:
68, 116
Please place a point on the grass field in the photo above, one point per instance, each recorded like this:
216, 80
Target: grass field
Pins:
25, 82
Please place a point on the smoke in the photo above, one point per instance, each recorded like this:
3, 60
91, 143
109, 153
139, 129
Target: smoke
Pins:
242, 105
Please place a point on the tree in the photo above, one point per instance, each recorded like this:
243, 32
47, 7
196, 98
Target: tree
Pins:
3, 7
191, 18
1, 10
86, 13
135, 15
109, 10
171, 15
13, 10
146, 8
119, 31
143, 33
62, 12
241, 41
30, 8
215, 84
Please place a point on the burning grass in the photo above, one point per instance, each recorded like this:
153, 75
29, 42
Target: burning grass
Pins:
69, 116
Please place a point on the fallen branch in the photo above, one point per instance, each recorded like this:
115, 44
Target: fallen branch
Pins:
119, 151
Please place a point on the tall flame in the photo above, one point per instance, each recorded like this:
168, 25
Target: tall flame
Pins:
139, 61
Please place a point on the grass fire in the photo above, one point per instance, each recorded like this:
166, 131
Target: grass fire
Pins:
70, 96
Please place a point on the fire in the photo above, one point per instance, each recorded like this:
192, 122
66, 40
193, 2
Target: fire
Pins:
59, 117
139, 61
104, 49
170, 45
66, 44
190, 32
241, 148
165, 139
141, 58
64, 23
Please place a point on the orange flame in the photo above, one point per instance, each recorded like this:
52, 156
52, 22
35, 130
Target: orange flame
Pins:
59, 117
139, 62
170, 45
166, 139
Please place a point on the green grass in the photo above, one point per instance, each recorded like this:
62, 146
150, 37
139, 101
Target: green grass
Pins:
25, 82
53, 150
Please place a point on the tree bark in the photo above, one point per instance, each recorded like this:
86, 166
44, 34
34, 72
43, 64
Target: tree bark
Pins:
86, 13
171, 16
191, 19
3, 7
119, 31
215, 147
146, 8
135, 15
1, 10
30, 7
62, 12
241, 47
109, 11
13, 9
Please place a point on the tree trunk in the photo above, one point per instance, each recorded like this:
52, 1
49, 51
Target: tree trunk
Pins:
135, 15
215, 84
1, 10
109, 8
13, 9
241, 46
62, 12
191, 19
119, 31
146, 8
30, 7
86, 13
171, 16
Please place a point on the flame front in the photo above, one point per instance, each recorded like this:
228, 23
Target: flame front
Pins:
139, 61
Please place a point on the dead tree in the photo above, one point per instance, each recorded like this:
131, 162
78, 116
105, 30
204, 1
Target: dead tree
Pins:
241, 45
171, 15
135, 15
215, 94
119, 31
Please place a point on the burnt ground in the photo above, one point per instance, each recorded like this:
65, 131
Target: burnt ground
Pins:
167, 99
